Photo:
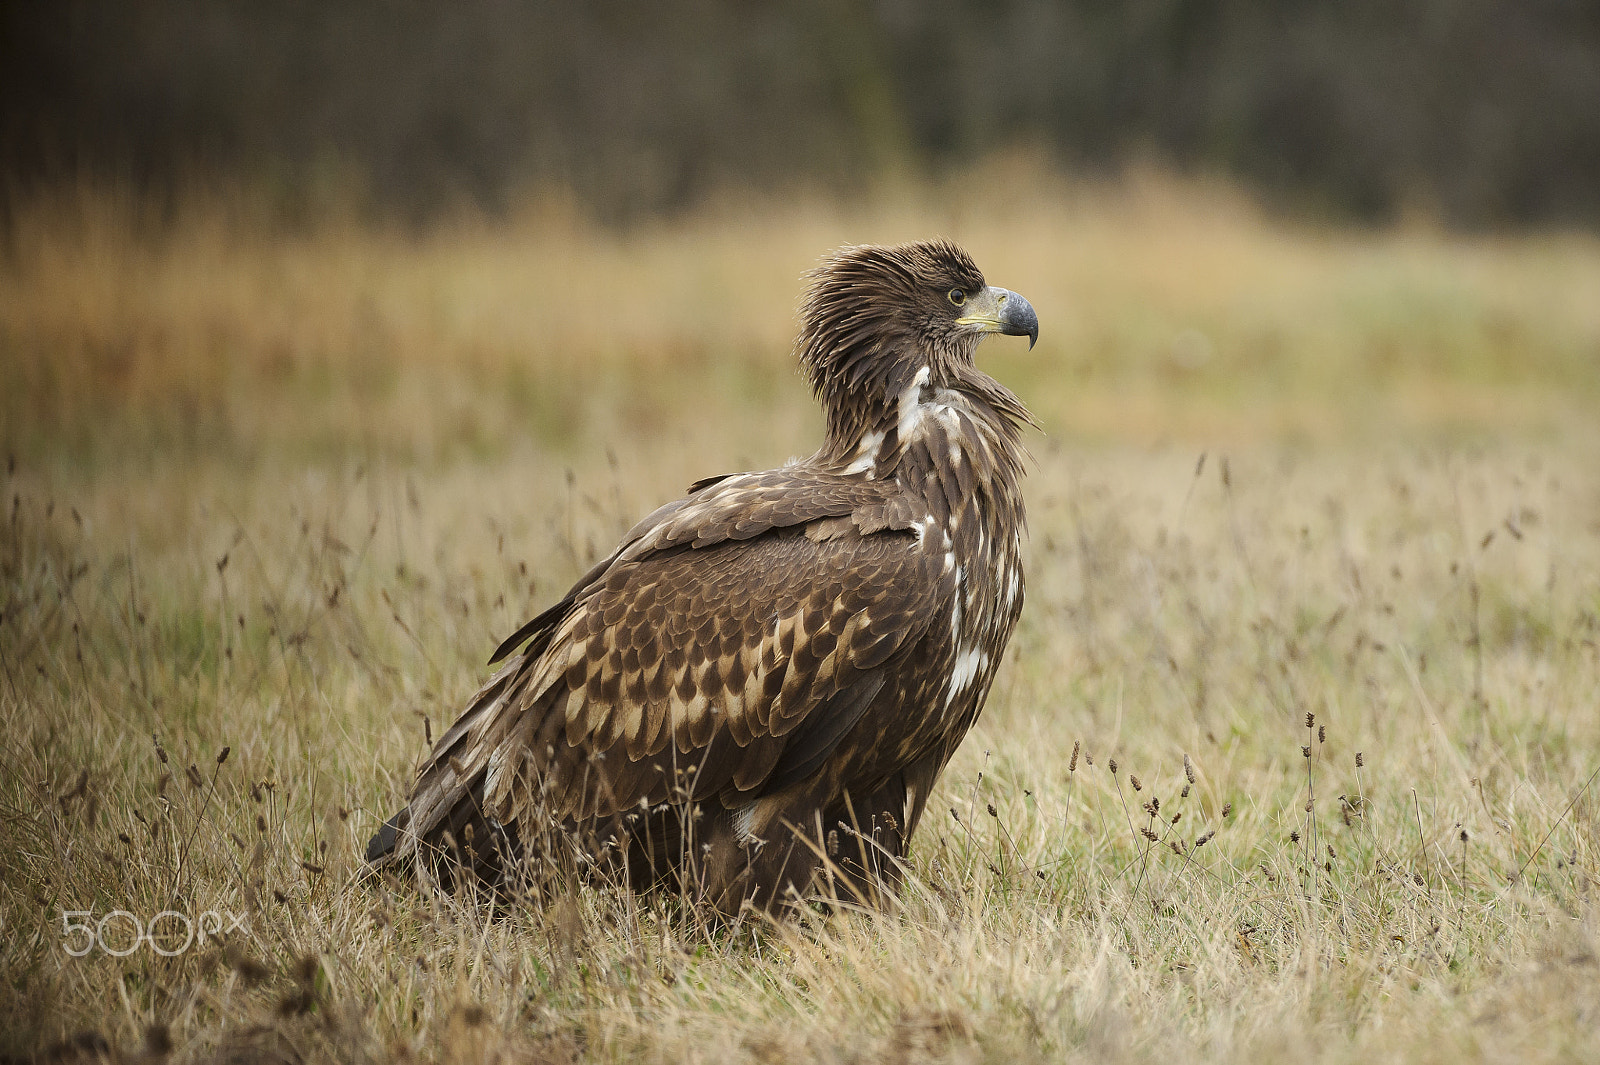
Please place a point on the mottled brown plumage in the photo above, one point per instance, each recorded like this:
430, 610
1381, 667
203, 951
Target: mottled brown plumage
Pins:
776, 667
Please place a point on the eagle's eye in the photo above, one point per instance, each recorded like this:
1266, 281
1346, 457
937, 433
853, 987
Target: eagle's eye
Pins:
957, 296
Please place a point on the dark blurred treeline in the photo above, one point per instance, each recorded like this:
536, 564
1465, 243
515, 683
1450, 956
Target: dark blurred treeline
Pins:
1486, 112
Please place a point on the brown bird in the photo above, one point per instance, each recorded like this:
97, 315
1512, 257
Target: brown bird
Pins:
752, 697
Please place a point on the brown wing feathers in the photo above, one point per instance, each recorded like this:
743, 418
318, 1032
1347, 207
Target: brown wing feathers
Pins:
743, 506
707, 637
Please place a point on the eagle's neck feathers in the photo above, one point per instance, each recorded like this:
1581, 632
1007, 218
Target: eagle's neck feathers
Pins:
946, 432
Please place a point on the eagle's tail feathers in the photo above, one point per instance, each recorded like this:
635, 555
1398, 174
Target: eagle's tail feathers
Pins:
382, 845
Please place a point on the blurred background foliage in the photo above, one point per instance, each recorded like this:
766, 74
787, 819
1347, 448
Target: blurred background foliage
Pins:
1477, 112
312, 231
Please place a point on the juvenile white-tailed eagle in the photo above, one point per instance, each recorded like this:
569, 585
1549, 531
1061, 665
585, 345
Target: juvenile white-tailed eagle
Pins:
753, 696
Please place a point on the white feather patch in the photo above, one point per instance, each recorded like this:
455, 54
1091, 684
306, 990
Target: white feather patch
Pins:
911, 408
969, 663
867, 454
742, 817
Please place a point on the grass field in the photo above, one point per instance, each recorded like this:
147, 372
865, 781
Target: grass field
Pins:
1315, 520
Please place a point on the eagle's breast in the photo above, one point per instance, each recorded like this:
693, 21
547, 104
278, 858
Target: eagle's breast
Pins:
960, 468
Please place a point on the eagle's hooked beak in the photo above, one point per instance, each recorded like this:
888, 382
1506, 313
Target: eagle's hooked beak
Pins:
1000, 310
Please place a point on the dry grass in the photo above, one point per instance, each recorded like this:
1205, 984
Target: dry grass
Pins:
281, 495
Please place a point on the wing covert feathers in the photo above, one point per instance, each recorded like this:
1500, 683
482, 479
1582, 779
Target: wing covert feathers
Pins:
700, 651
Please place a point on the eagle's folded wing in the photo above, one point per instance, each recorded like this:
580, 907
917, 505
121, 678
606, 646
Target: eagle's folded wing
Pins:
723, 651
737, 507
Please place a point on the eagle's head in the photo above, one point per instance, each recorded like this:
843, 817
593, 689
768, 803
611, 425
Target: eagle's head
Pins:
875, 315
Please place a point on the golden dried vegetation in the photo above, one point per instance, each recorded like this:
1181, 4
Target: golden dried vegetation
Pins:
1293, 757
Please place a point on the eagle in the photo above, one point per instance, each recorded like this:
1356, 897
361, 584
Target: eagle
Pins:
751, 698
